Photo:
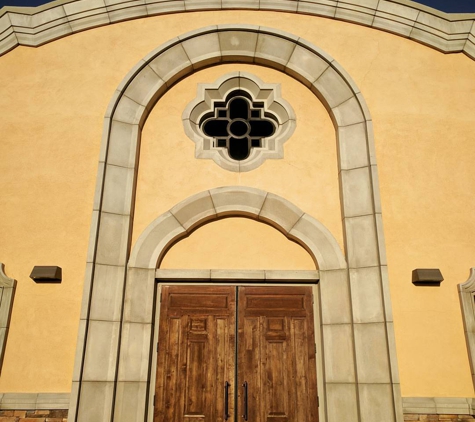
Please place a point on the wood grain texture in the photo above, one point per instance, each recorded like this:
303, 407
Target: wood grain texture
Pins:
277, 353
196, 354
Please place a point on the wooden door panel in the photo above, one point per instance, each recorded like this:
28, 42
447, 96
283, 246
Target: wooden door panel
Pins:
272, 305
196, 357
249, 356
197, 378
198, 301
276, 384
276, 354
195, 354
304, 370
169, 370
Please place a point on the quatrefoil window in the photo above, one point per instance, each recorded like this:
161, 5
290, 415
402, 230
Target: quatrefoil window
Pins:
239, 122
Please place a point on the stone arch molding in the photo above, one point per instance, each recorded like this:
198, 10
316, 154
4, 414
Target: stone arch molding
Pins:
236, 201
446, 32
7, 293
467, 302
359, 372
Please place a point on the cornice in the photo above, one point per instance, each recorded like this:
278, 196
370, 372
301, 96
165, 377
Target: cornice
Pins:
34, 26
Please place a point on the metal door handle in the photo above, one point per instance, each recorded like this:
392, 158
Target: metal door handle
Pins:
226, 400
244, 386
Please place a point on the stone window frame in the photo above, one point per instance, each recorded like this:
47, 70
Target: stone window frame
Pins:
267, 93
7, 293
467, 302
111, 374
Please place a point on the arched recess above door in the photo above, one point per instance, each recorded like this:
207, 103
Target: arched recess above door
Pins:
237, 243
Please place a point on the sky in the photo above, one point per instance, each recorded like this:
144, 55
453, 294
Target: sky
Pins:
450, 6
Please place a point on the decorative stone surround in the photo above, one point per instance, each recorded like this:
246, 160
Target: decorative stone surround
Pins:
236, 201
358, 374
448, 33
411, 405
336, 380
438, 405
7, 292
34, 401
224, 275
467, 302
268, 94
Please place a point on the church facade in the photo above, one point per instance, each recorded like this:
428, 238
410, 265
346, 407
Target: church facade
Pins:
221, 211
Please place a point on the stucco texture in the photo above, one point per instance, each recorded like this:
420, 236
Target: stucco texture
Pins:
53, 101
307, 177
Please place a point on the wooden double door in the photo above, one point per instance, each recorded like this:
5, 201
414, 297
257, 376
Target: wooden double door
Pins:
235, 353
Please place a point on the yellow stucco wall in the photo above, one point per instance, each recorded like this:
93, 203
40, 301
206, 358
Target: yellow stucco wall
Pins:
237, 243
53, 99
307, 177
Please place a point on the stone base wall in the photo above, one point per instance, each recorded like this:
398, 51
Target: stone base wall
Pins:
33, 415
437, 418
62, 415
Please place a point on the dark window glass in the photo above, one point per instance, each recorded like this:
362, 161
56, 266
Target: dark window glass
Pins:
237, 124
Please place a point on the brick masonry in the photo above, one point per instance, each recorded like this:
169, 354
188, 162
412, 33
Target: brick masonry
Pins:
33, 415
436, 418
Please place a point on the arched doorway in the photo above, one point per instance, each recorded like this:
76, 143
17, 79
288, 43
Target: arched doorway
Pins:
361, 376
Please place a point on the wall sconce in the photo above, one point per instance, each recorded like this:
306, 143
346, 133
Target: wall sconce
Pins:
41, 274
427, 277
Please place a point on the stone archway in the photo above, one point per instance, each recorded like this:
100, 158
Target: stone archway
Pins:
361, 370
236, 201
181, 221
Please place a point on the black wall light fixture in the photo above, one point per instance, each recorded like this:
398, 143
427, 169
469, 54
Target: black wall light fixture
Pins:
427, 277
42, 274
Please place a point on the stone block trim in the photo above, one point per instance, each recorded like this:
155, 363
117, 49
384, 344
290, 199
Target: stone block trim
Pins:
7, 293
37, 402
269, 275
467, 297
284, 216
445, 32
34, 401
27, 406
438, 418
438, 406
